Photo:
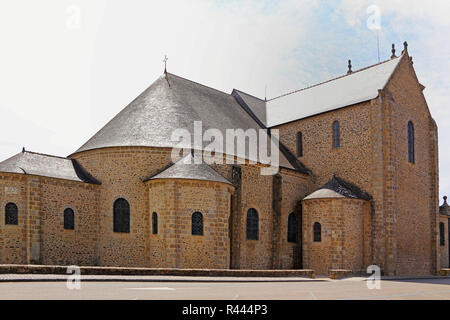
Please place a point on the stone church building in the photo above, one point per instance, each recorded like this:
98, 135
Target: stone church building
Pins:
357, 183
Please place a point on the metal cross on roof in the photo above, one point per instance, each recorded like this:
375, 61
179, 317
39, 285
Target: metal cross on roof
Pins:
165, 63
349, 67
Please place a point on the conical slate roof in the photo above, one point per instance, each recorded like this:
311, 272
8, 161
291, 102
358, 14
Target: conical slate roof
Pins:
339, 188
171, 103
445, 208
27, 162
186, 168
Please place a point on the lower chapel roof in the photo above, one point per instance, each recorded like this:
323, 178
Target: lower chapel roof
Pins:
187, 168
38, 164
445, 208
339, 188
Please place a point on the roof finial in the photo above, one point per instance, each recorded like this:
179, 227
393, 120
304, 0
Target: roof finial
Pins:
23, 150
165, 64
445, 199
405, 45
349, 67
393, 51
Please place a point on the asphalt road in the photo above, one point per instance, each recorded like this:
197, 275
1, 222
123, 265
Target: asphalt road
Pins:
354, 288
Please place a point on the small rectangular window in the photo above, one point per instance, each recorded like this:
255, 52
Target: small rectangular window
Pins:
154, 223
299, 144
69, 219
317, 232
11, 214
336, 135
411, 152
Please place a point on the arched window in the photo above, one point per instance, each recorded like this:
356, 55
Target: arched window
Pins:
155, 223
292, 228
411, 155
121, 216
69, 219
11, 214
252, 224
299, 144
317, 232
442, 233
336, 135
197, 224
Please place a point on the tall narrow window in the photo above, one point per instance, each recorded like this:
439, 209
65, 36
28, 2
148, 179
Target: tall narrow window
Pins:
121, 216
292, 228
299, 145
197, 224
155, 223
336, 135
252, 224
442, 233
317, 232
11, 214
69, 219
411, 155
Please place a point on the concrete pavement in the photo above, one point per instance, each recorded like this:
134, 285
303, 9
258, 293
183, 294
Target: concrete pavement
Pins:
173, 288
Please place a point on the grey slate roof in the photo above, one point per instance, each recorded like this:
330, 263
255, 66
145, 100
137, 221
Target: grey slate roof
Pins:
358, 86
32, 163
256, 109
339, 188
186, 168
256, 105
172, 102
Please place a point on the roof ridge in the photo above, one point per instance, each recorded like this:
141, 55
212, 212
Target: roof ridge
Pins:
198, 83
250, 95
46, 155
337, 78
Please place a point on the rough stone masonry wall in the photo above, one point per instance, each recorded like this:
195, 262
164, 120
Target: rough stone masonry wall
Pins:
352, 161
122, 171
444, 251
68, 247
40, 236
176, 201
161, 202
358, 160
257, 194
374, 156
270, 251
342, 244
414, 186
294, 189
13, 241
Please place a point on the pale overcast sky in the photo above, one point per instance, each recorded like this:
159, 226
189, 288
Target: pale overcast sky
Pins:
67, 67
